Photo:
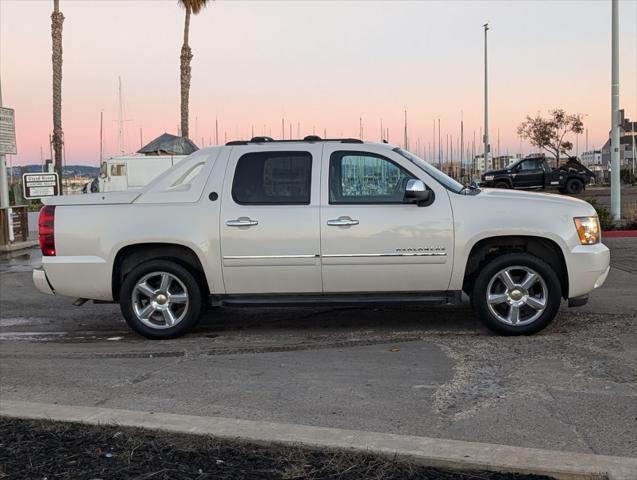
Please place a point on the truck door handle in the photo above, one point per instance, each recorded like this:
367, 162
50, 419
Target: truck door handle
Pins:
342, 222
242, 222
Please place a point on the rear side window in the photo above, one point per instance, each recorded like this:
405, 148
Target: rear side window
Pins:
273, 178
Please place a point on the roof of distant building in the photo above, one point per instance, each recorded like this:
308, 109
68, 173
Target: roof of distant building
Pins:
167, 144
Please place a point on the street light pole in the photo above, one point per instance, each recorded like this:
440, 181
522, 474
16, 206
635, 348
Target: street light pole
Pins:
486, 102
4, 186
615, 192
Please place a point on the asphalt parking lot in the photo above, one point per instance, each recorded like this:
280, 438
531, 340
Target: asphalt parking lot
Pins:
409, 370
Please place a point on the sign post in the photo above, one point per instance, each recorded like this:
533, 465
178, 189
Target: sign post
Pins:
7, 131
7, 146
39, 185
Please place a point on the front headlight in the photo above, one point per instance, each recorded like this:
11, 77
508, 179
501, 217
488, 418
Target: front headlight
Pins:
588, 230
488, 177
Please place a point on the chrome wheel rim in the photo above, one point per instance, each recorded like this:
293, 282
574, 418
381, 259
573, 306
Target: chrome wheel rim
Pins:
517, 296
160, 300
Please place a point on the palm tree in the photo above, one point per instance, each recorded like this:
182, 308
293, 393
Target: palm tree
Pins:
57, 19
192, 7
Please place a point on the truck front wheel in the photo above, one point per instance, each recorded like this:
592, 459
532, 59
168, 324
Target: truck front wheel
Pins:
516, 294
160, 299
502, 184
574, 186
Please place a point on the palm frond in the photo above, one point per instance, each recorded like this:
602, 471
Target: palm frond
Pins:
195, 5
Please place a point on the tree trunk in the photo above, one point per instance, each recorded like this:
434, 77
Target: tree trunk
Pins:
186, 57
559, 146
57, 19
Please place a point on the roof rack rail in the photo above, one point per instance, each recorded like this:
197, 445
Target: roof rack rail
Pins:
309, 138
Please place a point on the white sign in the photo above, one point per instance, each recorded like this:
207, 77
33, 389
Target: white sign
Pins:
7, 131
38, 185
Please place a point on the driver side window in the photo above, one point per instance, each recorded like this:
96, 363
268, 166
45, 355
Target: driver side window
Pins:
529, 165
360, 177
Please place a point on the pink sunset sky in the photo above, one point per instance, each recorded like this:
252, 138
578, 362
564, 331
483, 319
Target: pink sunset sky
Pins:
323, 64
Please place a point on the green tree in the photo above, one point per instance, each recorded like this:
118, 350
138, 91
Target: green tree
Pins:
192, 7
549, 133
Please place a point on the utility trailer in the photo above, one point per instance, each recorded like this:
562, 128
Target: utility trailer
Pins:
136, 171
133, 172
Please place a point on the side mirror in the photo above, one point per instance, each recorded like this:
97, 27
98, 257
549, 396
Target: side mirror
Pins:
418, 193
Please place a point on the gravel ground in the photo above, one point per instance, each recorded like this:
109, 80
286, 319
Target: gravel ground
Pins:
408, 370
30, 449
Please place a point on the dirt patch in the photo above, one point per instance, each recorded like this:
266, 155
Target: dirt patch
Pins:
36, 449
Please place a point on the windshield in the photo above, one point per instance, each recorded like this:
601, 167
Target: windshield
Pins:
440, 177
515, 164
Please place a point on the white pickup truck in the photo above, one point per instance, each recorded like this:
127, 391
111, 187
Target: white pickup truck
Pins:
318, 222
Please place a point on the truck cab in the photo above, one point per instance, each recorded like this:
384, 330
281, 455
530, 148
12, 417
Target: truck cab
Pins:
529, 172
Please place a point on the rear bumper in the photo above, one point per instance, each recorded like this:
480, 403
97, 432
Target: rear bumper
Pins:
41, 282
77, 276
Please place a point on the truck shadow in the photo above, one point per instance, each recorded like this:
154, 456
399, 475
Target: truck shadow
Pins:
397, 318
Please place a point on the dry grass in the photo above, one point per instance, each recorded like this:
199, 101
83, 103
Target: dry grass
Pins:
629, 214
33, 449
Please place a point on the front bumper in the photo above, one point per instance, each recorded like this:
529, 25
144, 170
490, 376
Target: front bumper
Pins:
588, 267
578, 301
42, 282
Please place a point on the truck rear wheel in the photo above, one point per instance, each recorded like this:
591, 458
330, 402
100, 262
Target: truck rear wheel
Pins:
574, 186
516, 294
161, 299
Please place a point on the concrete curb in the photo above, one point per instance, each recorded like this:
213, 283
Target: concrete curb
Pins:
619, 234
14, 247
429, 451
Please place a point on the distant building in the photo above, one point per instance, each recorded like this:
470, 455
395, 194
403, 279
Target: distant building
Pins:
503, 161
591, 158
480, 165
627, 132
494, 163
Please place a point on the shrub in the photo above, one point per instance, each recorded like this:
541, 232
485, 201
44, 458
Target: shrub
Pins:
35, 205
627, 176
605, 220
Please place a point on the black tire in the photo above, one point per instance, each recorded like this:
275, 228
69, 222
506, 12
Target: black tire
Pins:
502, 185
183, 282
574, 186
552, 298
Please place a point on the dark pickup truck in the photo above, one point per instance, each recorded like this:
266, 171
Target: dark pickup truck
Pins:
535, 173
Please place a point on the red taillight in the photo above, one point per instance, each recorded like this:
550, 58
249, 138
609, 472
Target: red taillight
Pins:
46, 234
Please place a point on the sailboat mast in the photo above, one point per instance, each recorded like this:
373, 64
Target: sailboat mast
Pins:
461, 141
120, 121
101, 138
405, 143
